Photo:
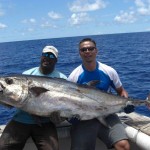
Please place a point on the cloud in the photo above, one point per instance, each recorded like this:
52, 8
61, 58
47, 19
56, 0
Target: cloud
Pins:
126, 17
148, 29
79, 18
48, 25
31, 20
1, 13
84, 5
143, 7
2, 26
54, 15
30, 29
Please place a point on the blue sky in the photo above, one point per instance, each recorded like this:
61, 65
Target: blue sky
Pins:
41, 19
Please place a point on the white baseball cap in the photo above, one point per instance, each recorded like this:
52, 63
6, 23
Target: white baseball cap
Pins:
50, 49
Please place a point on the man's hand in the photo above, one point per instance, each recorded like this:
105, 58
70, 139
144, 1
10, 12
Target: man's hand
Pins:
55, 118
122, 92
129, 107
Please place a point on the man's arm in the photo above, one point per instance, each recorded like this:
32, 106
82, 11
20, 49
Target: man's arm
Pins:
122, 92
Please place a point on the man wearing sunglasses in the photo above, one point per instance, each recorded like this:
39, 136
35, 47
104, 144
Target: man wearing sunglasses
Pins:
24, 125
84, 133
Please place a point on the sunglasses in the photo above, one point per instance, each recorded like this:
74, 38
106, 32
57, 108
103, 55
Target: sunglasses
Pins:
52, 56
84, 49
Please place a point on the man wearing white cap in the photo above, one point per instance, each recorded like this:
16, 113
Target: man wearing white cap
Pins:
24, 125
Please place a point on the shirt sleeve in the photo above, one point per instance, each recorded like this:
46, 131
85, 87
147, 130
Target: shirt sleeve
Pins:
73, 77
113, 75
115, 78
30, 71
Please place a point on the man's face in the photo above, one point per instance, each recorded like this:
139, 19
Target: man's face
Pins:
48, 61
88, 51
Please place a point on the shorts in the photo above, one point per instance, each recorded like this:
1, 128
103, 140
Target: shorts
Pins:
112, 134
84, 135
16, 134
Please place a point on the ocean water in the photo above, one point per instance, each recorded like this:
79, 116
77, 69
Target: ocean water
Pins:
128, 53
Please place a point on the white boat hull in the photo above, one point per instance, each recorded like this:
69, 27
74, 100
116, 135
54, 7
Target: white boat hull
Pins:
138, 138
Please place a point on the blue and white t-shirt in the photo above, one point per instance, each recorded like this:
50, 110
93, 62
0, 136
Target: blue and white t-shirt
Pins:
24, 117
105, 74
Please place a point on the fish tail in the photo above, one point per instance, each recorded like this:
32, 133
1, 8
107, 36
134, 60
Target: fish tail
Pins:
148, 101
139, 102
148, 97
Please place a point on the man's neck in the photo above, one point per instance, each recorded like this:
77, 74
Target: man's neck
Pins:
45, 71
90, 66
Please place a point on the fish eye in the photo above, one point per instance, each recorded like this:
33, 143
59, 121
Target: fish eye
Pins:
9, 81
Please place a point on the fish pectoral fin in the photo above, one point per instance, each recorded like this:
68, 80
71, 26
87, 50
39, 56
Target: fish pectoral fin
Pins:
37, 90
103, 121
93, 83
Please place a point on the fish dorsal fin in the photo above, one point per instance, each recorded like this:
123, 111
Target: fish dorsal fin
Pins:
93, 83
6, 105
38, 90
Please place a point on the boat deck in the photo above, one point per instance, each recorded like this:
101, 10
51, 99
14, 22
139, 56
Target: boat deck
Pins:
137, 121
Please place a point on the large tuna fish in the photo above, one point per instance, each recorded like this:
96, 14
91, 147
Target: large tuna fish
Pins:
43, 96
